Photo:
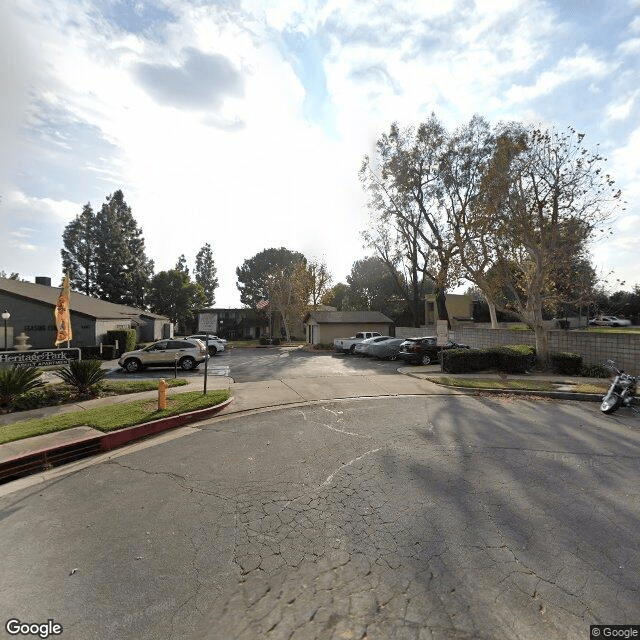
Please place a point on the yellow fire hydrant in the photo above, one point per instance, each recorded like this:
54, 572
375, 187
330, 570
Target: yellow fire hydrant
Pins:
162, 394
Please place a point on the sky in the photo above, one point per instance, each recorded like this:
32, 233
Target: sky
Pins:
243, 123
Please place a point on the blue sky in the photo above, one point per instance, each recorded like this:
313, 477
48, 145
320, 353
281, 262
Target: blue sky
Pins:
243, 123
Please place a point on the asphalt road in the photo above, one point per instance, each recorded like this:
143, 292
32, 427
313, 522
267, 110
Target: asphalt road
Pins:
252, 365
417, 517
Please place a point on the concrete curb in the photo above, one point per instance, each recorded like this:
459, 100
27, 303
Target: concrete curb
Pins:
49, 457
555, 395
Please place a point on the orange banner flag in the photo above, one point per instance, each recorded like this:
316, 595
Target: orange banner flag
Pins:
62, 315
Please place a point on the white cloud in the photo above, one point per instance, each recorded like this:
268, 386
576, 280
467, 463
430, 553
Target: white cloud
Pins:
630, 47
621, 110
583, 65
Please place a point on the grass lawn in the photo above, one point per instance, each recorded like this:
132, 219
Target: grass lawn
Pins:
524, 385
112, 417
135, 386
483, 383
591, 387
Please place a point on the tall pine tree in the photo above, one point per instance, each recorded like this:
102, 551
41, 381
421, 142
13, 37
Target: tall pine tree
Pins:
205, 273
181, 265
122, 268
78, 255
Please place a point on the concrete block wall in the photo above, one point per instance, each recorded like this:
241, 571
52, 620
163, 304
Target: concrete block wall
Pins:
414, 332
595, 348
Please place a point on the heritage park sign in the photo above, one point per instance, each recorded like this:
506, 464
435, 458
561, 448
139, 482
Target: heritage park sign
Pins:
39, 357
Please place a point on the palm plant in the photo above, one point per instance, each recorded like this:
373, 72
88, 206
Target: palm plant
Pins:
83, 375
17, 380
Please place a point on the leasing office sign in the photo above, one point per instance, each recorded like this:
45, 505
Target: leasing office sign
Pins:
40, 357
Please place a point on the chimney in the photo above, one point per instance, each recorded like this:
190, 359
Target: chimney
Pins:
43, 280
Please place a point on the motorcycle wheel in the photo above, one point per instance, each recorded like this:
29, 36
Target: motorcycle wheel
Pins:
610, 403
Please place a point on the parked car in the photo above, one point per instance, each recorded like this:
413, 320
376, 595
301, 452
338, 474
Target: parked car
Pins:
188, 354
215, 344
348, 345
385, 350
610, 321
425, 350
362, 348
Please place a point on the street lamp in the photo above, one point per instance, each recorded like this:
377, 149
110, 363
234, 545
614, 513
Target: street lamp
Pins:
5, 316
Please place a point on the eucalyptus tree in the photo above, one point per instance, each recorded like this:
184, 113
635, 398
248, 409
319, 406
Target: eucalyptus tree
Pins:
548, 196
464, 166
409, 228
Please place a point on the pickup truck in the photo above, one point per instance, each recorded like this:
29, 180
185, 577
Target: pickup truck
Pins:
348, 345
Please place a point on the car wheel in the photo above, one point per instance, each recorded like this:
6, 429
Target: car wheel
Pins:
132, 365
188, 363
212, 350
425, 359
352, 350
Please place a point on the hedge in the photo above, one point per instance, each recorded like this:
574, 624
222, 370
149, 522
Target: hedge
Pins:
126, 339
512, 359
567, 363
93, 353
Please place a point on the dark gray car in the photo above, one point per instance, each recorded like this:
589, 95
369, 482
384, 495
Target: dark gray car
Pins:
386, 350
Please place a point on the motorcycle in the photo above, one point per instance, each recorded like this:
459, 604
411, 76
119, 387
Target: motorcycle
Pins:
621, 392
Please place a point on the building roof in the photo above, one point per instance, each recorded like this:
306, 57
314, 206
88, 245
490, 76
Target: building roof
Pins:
348, 317
79, 303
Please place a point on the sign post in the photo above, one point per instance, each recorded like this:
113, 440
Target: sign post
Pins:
206, 361
442, 335
208, 322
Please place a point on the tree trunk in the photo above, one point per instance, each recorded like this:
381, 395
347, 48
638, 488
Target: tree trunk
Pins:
416, 306
493, 315
286, 327
441, 298
542, 345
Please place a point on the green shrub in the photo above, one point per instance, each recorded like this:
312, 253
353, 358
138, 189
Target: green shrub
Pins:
82, 375
108, 352
512, 359
48, 396
566, 363
93, 353
18, 380
126, 339
595, 371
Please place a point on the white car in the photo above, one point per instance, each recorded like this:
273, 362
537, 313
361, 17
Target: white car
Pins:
610, 321
362, 348
215, 344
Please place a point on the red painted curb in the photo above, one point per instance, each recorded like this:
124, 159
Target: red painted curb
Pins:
42, 459
121, 437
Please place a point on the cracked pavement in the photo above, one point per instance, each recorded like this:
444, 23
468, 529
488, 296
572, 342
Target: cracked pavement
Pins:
417, 517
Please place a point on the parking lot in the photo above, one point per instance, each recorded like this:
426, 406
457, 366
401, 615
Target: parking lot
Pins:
252, 365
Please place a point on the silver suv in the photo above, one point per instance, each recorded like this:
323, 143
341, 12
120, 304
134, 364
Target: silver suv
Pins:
188, 354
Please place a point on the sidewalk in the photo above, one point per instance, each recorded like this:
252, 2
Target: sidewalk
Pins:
247, 396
